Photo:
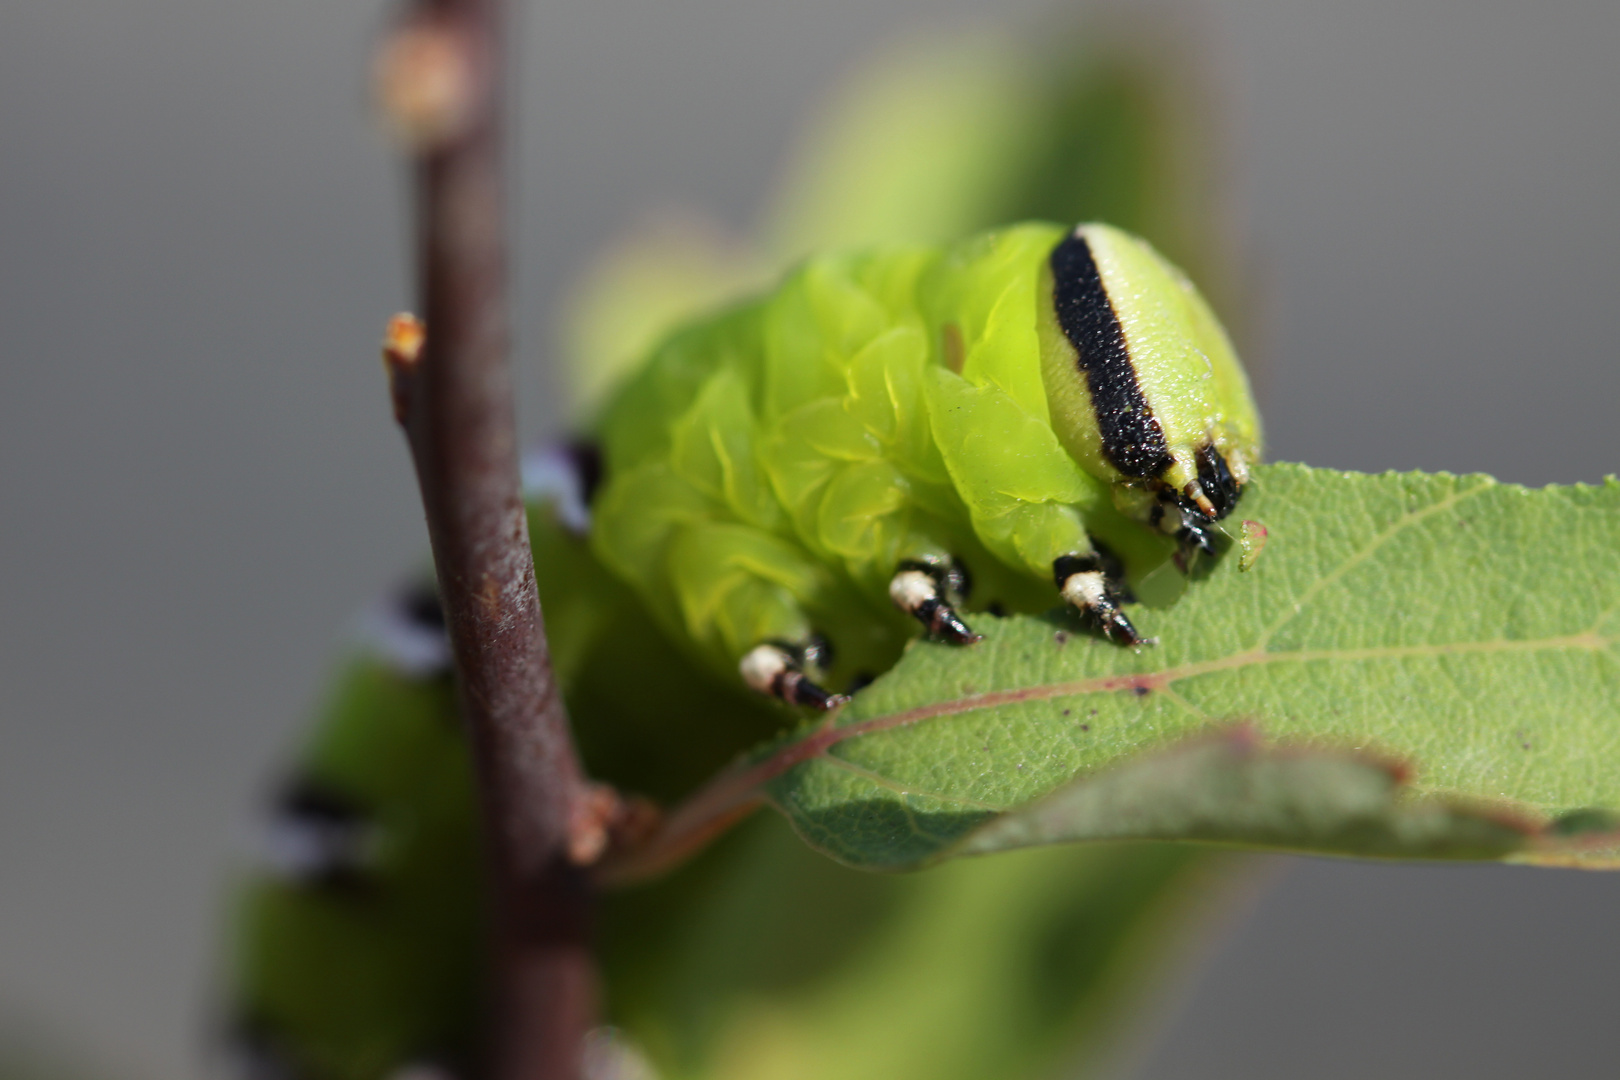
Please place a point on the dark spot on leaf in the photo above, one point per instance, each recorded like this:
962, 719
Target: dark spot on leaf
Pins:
1140, 691
1588, 820
1061, 637
1400, 771
1065, 712
1085, 727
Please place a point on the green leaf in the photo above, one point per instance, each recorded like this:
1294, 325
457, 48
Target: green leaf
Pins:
1421, 666
763, 961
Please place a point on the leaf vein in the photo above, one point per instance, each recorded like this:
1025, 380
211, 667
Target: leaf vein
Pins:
1162, 680
890, 784
1355, 559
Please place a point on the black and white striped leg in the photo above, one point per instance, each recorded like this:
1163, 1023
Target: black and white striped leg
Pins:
922, 590
777, 669
566, 475
321, 838
1082, 581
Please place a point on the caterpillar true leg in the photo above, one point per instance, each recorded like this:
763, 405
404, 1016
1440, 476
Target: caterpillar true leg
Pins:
777, 668
321, 837
1084, 582
924, 590
1172, 513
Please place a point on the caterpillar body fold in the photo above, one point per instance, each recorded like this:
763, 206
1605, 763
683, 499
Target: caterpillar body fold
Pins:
895, 439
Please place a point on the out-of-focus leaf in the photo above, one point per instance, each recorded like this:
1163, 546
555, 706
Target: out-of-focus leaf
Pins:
1088, 119
925, 142
1422, 665
765, 961
639, 288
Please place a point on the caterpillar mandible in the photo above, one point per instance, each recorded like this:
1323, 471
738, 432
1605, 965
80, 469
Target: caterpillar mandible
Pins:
908, 435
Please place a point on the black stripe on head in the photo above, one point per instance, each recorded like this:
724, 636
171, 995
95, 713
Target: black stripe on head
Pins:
1131, 436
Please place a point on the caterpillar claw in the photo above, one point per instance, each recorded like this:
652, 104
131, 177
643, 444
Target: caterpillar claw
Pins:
797, 689
1117, 627
945, 624
920, 590
774, 671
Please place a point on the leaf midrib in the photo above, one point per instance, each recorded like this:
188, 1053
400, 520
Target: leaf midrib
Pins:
821, 744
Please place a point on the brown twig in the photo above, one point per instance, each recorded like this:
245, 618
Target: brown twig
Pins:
723, 801
439, 76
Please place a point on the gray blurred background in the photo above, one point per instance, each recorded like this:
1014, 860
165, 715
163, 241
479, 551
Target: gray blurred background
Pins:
200, 238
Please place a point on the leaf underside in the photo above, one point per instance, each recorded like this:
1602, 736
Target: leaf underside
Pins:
1421, 665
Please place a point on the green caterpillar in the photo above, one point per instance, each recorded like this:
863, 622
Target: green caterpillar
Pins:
357, 953
825, 464
790, 479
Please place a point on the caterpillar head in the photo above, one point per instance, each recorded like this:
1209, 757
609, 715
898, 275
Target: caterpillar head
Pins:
1143, 386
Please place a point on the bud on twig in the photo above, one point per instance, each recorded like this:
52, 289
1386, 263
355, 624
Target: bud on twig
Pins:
401, 353
427, 82
602, 819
